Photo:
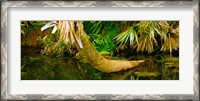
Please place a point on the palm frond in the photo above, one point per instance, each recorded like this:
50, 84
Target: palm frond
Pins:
123, 38
70, 31
171, 42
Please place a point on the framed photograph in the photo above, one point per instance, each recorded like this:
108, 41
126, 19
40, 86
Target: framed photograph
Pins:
100, 50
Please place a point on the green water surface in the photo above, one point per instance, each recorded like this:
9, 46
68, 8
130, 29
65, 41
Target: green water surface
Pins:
35, 66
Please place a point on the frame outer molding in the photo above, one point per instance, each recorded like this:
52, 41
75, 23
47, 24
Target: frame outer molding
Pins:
4, 51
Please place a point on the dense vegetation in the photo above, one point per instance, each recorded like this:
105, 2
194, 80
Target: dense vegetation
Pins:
114, 37
110, 38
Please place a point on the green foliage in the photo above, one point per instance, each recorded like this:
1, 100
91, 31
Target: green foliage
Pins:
103, 43
54, 47
149, 36
27, 26
134, 77
139, 36
107, 37
101, 34
123, 38
113, 36
51, 45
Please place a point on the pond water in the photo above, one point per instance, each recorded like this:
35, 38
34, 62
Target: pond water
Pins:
35, 66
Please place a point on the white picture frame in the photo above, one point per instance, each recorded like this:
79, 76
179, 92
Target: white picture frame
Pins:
6, 85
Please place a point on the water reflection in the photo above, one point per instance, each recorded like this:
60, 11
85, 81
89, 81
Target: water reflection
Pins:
35, 66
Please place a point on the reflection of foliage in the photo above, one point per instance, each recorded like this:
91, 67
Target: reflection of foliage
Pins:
45, 68
158, 68
39, 67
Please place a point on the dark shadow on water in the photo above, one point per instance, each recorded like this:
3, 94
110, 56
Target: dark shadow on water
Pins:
35, 66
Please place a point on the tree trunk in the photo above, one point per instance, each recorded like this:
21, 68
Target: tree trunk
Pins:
99, 62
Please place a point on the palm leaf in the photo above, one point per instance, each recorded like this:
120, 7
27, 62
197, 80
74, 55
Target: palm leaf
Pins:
67, 30
128, 35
